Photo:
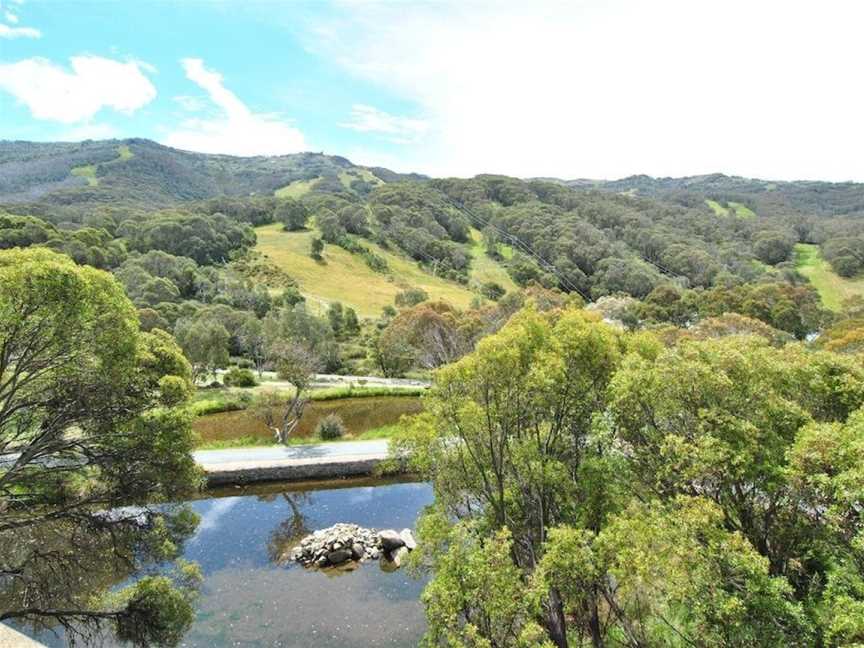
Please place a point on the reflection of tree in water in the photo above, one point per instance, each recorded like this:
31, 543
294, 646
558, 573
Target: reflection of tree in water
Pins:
291, 530
55, 571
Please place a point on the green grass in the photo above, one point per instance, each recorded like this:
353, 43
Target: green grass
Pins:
88, 172
738, 209
296, 189
215, 401
833, 289
384, 432
485, 269
337, 393
346, 278
124, 152
719, 209
742, 211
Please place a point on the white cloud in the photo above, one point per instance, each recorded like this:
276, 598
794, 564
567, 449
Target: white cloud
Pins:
189, 103
238, 130
18, 32
11, 18
52, 93
401, 130
606, 88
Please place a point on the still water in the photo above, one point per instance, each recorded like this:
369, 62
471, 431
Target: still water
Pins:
253, 596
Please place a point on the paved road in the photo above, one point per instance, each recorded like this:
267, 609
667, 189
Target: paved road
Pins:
347, 450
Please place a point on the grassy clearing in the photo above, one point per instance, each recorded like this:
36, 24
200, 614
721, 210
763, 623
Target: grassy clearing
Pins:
833, 288
742, 211
88, 172
345, 277
124, 152
738, 209
719, 209
484, 269
296, 189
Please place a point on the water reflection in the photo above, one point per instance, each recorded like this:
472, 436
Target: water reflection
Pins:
253, 596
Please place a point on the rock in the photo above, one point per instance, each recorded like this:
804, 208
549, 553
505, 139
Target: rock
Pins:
390, 540
398, 556
408, 539
338, 556
358, 551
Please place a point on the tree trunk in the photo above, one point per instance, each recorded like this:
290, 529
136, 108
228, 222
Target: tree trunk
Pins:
556, 625
594, 625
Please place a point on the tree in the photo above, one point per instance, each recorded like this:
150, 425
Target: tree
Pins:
336, 317
705, 494
492, 290
410, 297
352, 324
88, 423
296, 363
316, 248
506, 443
293, 214
205, 343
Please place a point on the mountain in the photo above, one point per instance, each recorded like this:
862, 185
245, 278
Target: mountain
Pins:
140, 172
765, 197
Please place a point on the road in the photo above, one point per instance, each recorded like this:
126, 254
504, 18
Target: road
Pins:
343, 450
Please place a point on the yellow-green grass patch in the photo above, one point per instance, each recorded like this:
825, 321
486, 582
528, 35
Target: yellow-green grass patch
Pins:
88, 172
346, 278
296, 189
741, 210
485, 269
833, 288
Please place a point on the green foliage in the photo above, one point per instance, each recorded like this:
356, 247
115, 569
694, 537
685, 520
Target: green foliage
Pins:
330, 427
74, 359
205, 343
156, 613
293, 214
236, 377
316, 248
411, 297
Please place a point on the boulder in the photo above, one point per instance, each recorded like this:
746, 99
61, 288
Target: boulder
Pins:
358, 551
390, 540
338, 556
408, 539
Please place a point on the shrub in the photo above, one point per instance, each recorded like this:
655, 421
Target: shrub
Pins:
330, 427
236, 377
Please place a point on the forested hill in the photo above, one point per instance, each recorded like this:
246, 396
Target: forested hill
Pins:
767, 197
139, 172
105, 202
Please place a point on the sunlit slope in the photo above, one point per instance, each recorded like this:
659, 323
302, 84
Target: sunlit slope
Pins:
833, 288
485, 269
346, 278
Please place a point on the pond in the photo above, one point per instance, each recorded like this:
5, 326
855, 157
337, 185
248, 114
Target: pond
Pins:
358, 414
253, 596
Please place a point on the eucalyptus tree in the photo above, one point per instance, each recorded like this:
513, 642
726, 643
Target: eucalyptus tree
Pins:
92, 447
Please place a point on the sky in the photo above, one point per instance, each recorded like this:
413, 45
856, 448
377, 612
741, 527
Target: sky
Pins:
578, 89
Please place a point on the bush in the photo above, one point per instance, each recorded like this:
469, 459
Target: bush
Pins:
330, 427
236, 377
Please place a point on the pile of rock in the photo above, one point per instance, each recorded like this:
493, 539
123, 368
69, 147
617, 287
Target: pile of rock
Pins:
342, 543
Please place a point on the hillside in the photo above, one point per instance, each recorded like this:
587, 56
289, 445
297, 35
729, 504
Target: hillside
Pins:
140, 172
344, 277
833, 289
768, 197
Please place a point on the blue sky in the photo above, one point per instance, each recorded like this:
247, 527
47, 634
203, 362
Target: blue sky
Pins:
585, 88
